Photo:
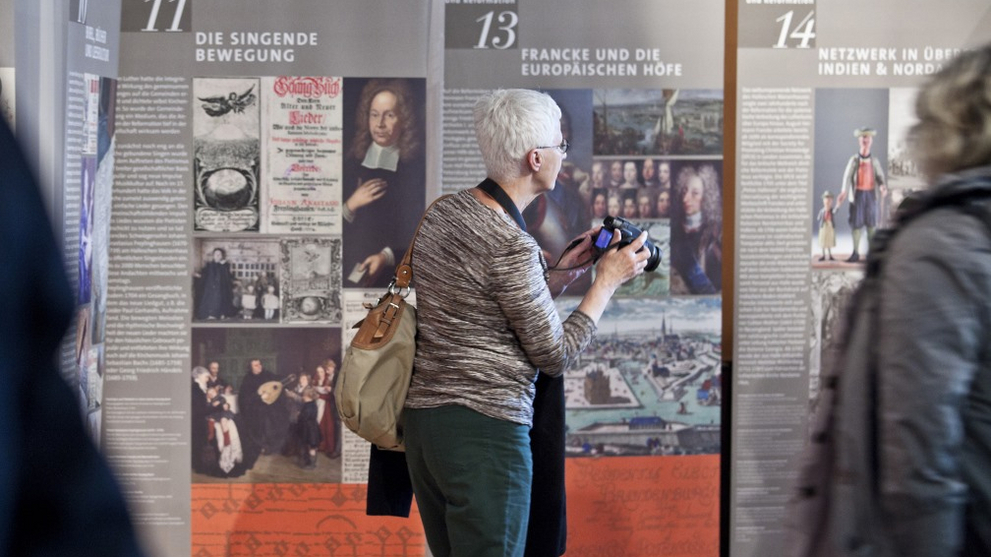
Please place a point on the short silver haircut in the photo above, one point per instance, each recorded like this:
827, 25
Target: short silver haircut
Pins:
954, 110
508, 124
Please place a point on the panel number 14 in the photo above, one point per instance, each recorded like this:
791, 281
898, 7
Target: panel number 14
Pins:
803, 31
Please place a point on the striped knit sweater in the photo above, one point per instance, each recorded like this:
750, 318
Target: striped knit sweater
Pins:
485, 318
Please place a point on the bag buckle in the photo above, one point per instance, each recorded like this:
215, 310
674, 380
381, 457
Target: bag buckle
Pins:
400, 291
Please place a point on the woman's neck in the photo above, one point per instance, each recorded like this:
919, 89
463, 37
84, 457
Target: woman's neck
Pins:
519, 191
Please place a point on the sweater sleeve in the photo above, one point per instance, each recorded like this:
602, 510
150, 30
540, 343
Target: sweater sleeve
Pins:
520, 288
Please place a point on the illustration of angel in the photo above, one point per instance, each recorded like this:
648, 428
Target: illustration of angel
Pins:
219, 105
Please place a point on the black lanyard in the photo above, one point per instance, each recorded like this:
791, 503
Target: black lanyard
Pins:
495, 190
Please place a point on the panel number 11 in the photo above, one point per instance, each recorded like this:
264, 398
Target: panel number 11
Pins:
153, 16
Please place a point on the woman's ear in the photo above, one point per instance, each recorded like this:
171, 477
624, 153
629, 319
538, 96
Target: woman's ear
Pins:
535, 159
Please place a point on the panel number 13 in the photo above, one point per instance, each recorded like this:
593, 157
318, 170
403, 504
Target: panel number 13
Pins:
803, 31
505, 35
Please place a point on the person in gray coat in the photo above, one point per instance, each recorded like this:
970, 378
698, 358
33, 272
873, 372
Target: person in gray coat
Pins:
898, 460
934, 364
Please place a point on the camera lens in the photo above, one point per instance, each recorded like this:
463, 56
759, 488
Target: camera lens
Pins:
655, 256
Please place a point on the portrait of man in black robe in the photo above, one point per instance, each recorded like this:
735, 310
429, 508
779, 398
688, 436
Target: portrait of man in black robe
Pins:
266, 421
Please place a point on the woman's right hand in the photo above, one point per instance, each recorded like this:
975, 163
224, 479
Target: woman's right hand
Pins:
366, 193
617, 266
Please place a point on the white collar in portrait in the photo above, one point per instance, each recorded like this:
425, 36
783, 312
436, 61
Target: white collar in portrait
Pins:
693, 222
386, 158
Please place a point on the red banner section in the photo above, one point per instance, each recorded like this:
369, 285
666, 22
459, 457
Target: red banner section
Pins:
616, 507
643, 506
297, 520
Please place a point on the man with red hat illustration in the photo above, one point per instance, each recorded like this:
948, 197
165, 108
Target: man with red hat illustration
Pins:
863, 180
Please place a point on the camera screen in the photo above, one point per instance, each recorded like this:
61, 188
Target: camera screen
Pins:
603, 239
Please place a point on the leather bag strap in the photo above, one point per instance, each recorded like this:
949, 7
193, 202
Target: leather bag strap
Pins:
404, 271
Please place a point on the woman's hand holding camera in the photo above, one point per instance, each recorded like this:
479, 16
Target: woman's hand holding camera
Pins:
577, 258
617, 266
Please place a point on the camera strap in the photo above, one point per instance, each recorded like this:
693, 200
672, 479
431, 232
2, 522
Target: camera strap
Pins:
494, 190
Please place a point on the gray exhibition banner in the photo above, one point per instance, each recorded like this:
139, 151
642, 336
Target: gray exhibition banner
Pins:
810, 75
236, 125
557, 44
640, 86
7, 32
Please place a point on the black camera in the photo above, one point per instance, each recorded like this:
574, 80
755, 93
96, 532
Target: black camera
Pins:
628, 233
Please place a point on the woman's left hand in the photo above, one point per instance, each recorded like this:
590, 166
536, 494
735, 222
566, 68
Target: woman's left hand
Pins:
577, 258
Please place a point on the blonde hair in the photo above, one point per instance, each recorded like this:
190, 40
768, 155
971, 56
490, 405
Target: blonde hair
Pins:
954, 111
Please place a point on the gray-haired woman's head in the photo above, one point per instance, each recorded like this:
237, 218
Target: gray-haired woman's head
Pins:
511, 122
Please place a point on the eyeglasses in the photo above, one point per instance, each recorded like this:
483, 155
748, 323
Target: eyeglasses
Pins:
564, 146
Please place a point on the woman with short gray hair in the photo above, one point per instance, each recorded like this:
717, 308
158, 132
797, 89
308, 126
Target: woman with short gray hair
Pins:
486, 324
